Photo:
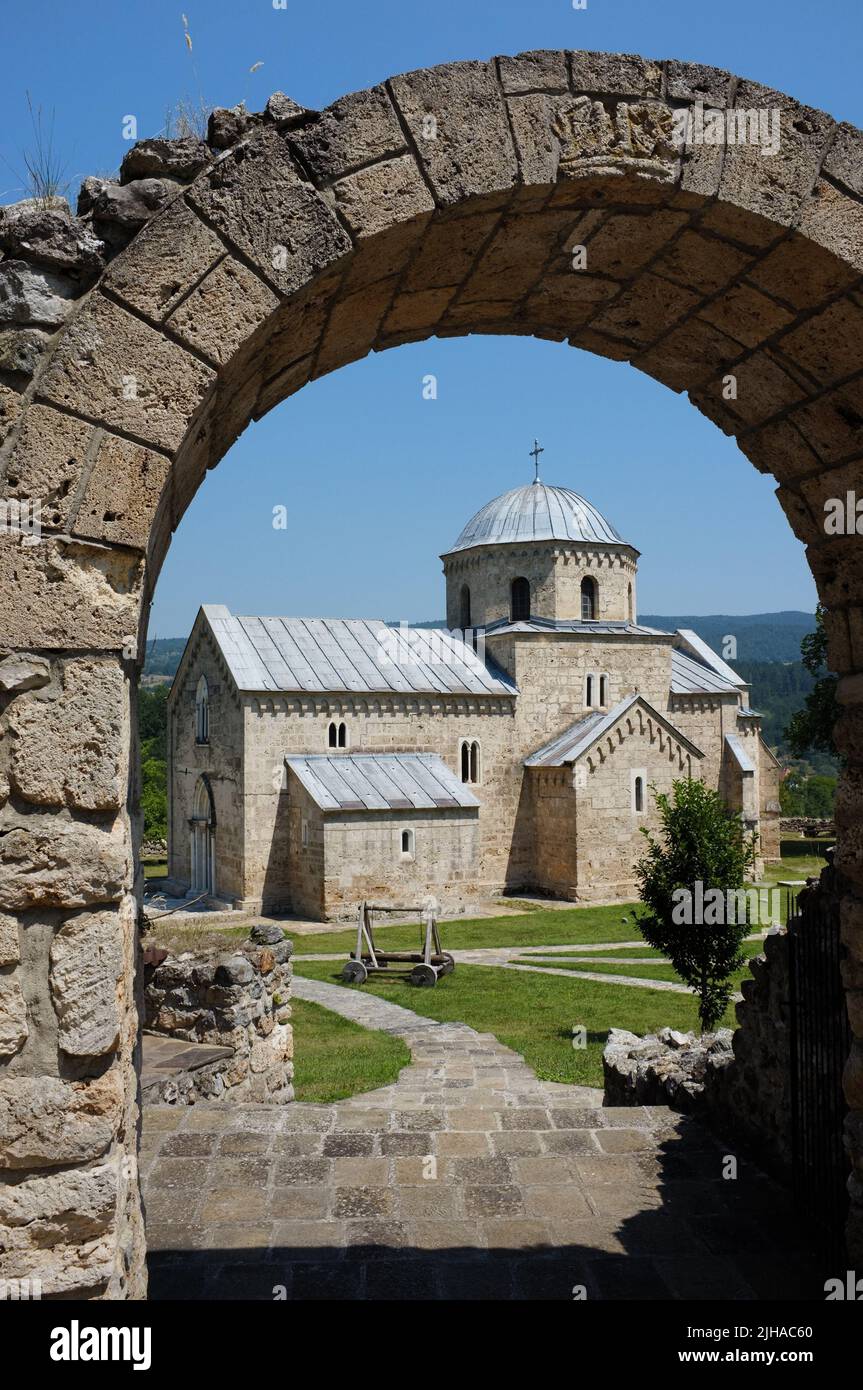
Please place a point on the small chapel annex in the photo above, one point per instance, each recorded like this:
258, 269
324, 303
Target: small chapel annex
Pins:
314, 762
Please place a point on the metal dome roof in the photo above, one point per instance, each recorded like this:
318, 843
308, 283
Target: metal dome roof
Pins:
536, 512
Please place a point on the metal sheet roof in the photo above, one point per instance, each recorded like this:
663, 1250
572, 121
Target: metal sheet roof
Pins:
575, 740
739, 754
587, 629
537, 512
691, 677
380, 781
350, 654
697, 648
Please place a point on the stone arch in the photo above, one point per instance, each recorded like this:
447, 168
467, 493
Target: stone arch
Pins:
565, 196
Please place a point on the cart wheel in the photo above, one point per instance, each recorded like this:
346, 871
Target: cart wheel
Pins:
424, 975
355, 973
448, 965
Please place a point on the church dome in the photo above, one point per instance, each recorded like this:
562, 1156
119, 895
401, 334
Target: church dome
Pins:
537, 512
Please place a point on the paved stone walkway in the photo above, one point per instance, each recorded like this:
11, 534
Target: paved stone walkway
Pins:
466, 1178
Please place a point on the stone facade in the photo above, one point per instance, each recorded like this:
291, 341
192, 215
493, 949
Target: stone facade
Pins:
239, 1001
700, 262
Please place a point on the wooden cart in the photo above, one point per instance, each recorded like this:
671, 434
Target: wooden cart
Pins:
422, 967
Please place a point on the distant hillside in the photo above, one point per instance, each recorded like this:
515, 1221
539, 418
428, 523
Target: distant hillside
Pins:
759, 636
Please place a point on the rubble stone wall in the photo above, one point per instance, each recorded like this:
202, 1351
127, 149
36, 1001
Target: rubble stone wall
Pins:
239, 1000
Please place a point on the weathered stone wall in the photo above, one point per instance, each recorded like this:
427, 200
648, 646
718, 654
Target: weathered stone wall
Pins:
363, 859
69, 1211
239, 1000
288, 724
555, 573
314, 239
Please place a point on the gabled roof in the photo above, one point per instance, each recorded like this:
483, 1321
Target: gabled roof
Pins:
696, 648
350, 654
579, 737
380, 781
692, 677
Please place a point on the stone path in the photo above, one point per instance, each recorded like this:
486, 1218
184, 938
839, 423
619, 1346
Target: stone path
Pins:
465, 1178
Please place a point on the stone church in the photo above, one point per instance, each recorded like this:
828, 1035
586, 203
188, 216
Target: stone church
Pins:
314, 762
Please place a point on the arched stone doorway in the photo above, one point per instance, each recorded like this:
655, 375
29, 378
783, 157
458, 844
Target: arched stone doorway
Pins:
202, 842
566, 195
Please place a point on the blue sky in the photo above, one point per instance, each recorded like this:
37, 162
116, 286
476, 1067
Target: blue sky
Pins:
376, 480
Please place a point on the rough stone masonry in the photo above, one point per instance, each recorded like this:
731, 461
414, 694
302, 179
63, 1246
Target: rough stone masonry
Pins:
213, 279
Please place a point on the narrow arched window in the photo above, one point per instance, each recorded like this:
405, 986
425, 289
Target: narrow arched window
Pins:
202, 711
465, 762
630, 609
638, 795
474, 762
332, 737
464, 608
343, 735
407, 844
603, 690
588, 692
588, 600
520, 600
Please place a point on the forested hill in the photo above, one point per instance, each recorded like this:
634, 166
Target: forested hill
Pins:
759, 636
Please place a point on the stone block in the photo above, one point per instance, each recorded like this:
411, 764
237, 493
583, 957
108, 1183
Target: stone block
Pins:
391, 191
827, 346
615, 74
21, 349
844, 159
70, 594
646, 310
122, 492
543, 70
776, 185
694, 82
70, 749
802, 274
10, 951
744, 313
44, 1213
113, 367
256, 198
45, 1123
11, 409
87, 959
356, 130
32, 294
13, 1014
48, 461
164, 262
51, 863
538, 148
24, 672
182, 159
458, 123
225, 309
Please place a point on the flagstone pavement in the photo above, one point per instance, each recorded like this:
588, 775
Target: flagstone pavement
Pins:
468, 1178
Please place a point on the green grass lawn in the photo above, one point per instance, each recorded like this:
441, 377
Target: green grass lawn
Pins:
336, 1058
650, 970
533, 1014
155, 868
567, 926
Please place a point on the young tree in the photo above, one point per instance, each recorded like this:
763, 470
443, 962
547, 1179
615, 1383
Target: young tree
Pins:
812, 726
701, 842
